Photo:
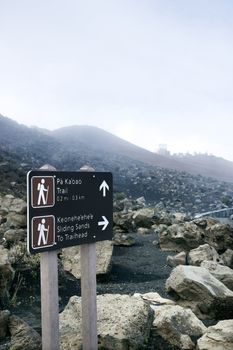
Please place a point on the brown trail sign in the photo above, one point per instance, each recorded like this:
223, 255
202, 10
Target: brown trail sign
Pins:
68, 208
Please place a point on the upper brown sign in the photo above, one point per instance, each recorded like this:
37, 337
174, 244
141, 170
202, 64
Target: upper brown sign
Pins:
43, 191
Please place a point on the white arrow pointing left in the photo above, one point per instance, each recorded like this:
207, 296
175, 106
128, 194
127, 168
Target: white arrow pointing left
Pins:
103, 223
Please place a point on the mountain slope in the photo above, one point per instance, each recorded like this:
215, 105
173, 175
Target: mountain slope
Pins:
133, 168
71, 146
208, 165
99, 141
96, 139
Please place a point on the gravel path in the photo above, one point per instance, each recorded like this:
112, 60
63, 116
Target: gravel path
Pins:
140, 268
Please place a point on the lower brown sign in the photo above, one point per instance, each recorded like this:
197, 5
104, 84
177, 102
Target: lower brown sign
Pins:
43, 231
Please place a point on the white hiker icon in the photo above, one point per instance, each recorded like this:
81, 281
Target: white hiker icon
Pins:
42, 189
42, 229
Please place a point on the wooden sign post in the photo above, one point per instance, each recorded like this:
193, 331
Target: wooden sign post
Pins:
88, 294
49, 300
49, 296
67, 209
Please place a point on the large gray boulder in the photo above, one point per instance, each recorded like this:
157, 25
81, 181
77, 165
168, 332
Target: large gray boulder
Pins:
196, 288
123, 221
144, 217
6, 275
227, 257
180, 237
4, 321
203, 252
13, 215
23, 336
15, 221
15, 235
122, 239
178, 259
218, 337
190, 235
9, 203
219, 236
71, 259
177, 326
196, 256
2, 219
123, 322
222, 273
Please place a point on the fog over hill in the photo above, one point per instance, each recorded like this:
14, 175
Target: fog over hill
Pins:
83, 139
97, 139
178, 182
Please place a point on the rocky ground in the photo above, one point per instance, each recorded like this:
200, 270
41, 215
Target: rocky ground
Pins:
167, 278
140, 268
158, 248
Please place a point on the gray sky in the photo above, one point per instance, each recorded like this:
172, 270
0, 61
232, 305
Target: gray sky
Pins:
149, 71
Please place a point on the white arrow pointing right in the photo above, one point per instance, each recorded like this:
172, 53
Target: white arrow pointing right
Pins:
103, 223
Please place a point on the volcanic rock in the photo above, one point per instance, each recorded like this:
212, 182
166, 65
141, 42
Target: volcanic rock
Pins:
22, 335
227, 257
71, 259
177, 326
180, 237
196, 288
218, 337
219, 236
122, 239
123, 221
203, 252
15, 235
143, 230
9, 203
6, 275
16, 221
154, 298
190, 235
178, 259
223, 273
4, 320
123, 322
144, 217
